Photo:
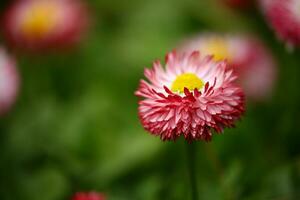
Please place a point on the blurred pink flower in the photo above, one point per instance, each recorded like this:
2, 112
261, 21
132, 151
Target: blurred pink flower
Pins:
88, 196
191, 96
284, 17
9, 82
43, 24
247, 56
238, 3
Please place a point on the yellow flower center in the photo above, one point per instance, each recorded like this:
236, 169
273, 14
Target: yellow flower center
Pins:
40, 19
186, 80
218, 48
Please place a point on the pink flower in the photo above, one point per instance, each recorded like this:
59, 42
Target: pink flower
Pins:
284, 17
247, 56
44, 24
88, 196
9, 82
191, 96
238, 3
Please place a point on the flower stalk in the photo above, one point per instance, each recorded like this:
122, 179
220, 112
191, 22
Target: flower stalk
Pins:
191, 161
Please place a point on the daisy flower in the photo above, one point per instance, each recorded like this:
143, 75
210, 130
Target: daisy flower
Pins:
9, 82
88, 196
284, 17
246, 55
191, 96
43, 24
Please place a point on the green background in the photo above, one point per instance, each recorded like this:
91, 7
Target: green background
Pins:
75, 126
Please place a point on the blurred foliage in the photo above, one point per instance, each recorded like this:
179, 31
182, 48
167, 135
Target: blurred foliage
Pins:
75, 125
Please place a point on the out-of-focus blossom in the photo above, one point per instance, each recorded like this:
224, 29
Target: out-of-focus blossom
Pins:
9, 82
45, 24
88, 196
238, 3
248, 57
284, 17
191, 96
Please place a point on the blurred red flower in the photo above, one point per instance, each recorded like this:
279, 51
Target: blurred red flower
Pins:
238, 3
88, 196
42, 24
246, 55
284, 17
9, 82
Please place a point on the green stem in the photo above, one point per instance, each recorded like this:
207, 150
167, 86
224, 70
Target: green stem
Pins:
191, 160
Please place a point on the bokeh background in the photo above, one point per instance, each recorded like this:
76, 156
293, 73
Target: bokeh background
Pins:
75, 126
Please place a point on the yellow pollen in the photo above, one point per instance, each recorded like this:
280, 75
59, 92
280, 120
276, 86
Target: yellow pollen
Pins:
40, 19
187, 80
218, 48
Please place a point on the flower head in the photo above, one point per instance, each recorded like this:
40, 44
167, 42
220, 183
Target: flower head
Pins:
191, 96
246, 55
284, 18
9, 82
44, 24
88, 196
